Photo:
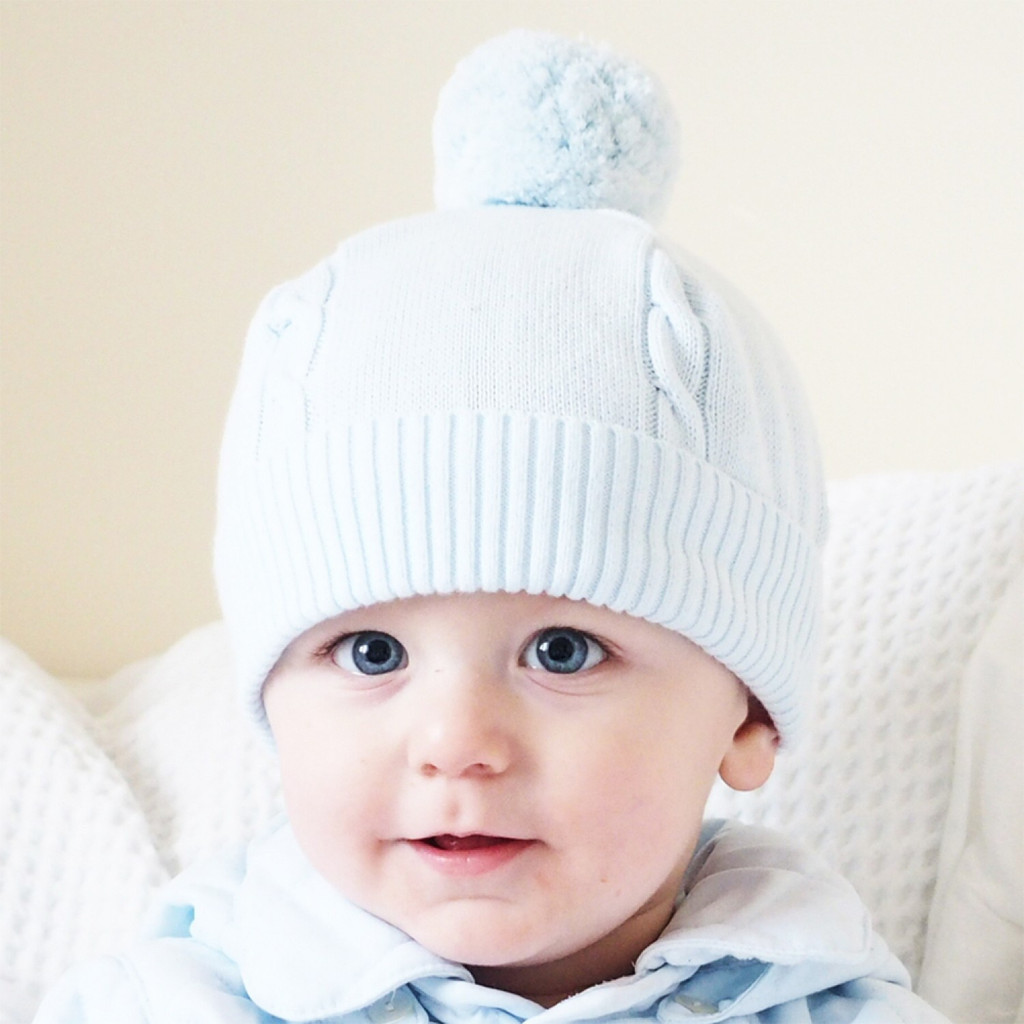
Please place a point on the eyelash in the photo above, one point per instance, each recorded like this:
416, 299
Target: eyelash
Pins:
536, 644
327, 652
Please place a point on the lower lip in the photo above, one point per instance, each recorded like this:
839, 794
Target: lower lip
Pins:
474, 860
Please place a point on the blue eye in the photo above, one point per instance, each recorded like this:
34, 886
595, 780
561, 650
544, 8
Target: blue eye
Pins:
563, 651
369, 654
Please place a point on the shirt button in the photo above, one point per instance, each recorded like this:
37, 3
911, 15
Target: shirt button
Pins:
397, 1006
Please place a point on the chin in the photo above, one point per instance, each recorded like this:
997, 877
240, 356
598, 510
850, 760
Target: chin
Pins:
481, 945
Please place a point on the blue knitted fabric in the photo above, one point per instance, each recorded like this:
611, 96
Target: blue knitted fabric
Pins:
526, 391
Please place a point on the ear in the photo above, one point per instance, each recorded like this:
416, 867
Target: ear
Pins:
750, 759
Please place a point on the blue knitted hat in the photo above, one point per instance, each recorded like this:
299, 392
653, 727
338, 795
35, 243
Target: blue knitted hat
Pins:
526, 390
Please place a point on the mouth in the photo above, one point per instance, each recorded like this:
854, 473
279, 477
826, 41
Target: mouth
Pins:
452, 843
472, 854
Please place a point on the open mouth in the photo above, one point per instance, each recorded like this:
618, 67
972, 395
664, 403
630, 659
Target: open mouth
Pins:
470, 854
458, 844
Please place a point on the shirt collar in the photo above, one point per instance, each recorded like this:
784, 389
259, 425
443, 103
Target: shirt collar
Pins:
306, 953
751, 894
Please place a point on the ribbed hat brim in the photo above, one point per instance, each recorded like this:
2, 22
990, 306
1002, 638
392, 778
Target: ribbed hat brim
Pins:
464, 502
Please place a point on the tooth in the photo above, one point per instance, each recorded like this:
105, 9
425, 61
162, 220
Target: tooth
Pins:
473, 842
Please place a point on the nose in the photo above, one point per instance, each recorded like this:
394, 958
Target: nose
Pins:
464, 726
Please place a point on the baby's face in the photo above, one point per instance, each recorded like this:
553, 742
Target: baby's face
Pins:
515, 781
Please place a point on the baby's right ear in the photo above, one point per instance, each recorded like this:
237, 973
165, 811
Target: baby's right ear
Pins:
750, 759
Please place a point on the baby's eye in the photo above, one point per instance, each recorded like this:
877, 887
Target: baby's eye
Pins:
369, 654
563, 650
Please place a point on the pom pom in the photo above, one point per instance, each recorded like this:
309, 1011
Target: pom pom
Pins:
534, 119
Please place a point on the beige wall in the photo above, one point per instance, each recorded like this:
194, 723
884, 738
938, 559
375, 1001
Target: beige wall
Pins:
854, 166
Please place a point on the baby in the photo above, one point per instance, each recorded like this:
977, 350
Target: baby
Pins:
520, 516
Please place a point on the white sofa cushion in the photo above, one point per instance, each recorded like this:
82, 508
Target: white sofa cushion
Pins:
974, 958
78, 864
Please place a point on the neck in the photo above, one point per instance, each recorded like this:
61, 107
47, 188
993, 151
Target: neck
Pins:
613, 956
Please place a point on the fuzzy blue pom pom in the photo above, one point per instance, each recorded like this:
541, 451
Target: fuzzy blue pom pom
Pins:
534, 119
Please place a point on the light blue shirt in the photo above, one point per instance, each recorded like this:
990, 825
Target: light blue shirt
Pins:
762, 932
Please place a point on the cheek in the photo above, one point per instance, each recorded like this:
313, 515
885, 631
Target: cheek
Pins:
332, 789
639, 795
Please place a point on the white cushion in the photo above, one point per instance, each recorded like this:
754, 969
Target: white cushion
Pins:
77, 862
974, 959
201, 775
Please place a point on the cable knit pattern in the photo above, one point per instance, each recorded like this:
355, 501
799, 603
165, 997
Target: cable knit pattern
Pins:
627, 432
99, 803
